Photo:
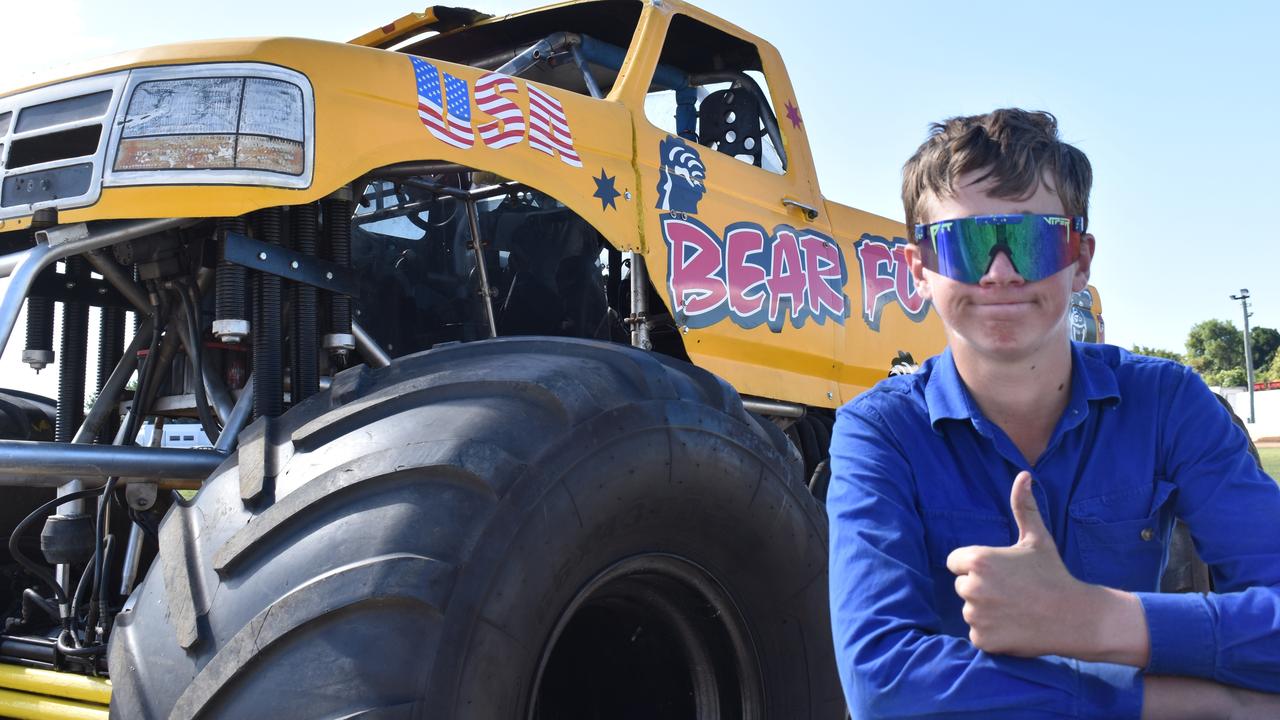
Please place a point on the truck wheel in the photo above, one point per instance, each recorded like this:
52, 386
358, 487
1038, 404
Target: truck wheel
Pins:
517, 528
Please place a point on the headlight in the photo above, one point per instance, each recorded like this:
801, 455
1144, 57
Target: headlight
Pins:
235, 123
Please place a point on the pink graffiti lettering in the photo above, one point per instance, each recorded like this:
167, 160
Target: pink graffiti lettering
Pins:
886, 278
751, 277
822, 260
745, 277
911, 299
788, 279
696, 287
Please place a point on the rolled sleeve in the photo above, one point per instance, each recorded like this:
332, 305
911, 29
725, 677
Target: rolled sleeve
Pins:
1232, 507
1181, 627
1108, 691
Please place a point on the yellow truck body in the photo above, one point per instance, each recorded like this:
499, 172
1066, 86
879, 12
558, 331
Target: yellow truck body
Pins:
831, 344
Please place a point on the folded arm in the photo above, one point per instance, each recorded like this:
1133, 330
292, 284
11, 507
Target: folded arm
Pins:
894, 658
1233, 509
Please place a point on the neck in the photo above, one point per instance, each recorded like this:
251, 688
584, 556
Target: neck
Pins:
1024, 395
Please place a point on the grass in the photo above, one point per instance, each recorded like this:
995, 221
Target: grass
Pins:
1271, 461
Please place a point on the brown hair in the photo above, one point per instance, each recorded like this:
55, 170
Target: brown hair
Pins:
1016, 148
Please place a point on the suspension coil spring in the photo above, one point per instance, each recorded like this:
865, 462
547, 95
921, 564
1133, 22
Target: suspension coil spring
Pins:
110, 350
39, 351
268, 333
75, 331
306, 379
337, 223
231, 314
137, 316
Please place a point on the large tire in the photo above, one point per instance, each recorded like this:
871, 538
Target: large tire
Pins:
519, 528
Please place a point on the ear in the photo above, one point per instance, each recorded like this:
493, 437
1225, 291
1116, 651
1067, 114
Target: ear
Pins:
1087, 247
915, 261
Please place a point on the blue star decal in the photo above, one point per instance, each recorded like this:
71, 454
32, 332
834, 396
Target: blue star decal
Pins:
605, 191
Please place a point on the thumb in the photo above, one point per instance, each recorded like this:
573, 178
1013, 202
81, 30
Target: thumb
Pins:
1031, 528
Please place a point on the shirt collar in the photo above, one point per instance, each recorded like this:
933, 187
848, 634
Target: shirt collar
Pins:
945, 393
1092, 379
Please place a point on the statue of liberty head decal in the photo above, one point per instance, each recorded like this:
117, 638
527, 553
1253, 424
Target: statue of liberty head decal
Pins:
681, 184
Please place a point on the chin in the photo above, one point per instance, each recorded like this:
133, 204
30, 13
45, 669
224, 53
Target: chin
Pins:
1007, 342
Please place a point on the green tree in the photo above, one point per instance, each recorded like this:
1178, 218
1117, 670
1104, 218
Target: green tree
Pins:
1263, 343
1214, 346
1232, 377
1270, 372
1157, 352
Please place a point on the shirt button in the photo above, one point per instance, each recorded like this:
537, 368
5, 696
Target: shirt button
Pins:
1147, 534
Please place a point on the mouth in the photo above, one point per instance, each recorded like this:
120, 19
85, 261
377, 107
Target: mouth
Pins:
1004, 307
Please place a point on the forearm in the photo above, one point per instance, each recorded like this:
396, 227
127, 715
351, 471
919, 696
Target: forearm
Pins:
944, 676
1111, 628
1181, 698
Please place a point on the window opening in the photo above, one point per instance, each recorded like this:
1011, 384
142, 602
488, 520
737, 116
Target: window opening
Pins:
578, 47
548, 271
710, 88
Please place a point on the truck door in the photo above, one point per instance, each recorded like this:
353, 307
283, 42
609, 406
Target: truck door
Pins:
733, 236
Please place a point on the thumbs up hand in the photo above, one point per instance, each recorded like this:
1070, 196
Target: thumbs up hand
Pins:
1031, 529
1021, 600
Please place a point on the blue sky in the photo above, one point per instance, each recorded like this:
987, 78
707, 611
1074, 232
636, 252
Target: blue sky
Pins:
1176, 104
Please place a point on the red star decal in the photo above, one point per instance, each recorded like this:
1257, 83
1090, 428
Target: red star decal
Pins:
793, 114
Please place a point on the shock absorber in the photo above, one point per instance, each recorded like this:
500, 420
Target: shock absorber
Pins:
231, 316
75, 330
268, 335
39, 351
337, 222
306, 380
110, 350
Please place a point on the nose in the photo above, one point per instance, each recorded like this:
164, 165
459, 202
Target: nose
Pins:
1001, 272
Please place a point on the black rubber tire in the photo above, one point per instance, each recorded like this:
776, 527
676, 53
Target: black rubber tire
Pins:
23, 416
782, 443
430, 523
809, 446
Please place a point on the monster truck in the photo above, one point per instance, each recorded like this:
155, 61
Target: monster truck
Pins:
516, 340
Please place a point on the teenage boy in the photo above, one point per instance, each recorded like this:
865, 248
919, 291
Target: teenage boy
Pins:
1000, 519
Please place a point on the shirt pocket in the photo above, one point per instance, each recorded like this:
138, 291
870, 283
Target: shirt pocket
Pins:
944, 532
947, 530
1123, 536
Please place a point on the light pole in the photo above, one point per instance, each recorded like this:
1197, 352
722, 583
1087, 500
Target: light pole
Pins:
1243, 297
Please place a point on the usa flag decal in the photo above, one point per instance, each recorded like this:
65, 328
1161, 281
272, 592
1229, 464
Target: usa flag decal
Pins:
444, 106
446, 114
507, 127
548, 128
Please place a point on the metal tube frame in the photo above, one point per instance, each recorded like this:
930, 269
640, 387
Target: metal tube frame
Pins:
110, 393
477, 244
373, 353
765, 406
111, 273
237, 420
593, 87
54, 244
44, 464
639, 318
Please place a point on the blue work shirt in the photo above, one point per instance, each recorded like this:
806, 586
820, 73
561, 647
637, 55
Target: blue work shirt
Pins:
918, 471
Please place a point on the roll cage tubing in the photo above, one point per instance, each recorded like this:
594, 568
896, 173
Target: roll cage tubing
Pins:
584, 49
